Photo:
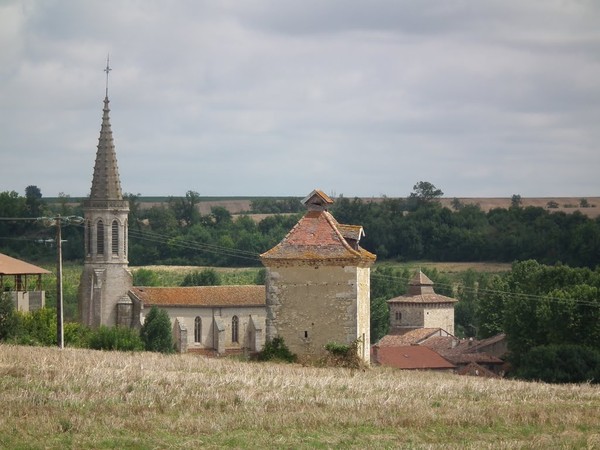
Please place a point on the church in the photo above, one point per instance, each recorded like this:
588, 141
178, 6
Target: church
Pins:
317, 284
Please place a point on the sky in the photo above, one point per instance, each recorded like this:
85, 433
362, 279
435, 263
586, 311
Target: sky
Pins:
280, 97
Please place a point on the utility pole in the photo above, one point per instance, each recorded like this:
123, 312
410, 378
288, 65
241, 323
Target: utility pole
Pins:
58, 222
60, 334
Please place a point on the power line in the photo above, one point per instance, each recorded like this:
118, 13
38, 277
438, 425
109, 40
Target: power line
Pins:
401, 278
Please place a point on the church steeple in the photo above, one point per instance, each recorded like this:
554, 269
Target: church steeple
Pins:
106, 279
106, 184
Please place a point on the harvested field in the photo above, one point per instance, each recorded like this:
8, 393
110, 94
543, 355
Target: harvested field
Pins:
74, 398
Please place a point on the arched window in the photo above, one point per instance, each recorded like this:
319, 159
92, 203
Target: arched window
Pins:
115, 237
88, 237
100, 238
235, 327
198, 329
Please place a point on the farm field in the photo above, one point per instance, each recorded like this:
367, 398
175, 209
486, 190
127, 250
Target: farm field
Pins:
76, 398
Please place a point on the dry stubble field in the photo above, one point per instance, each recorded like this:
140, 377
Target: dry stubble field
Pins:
90, 399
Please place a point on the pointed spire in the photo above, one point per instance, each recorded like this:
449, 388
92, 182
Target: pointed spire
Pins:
106, 184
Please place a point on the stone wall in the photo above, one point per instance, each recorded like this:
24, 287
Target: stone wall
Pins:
310, 306
425, 315
208, 330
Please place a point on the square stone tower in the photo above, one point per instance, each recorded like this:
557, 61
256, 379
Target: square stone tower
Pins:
318, 284
421, 307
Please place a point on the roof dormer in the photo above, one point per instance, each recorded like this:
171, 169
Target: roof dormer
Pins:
317, 200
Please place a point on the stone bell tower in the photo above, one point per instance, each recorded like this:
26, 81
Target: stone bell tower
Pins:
106, 279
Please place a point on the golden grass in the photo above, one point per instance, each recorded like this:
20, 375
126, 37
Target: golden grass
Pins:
91, 399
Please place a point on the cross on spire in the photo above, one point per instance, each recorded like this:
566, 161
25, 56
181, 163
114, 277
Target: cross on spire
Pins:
107, 70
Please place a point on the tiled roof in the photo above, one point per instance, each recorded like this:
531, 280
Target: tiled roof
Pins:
317, 197
411, 357
411, 337
201, 295
354, 232
420, 279
475, 370
13, 266
466, 358
461, 351
423, 298
316, 237
420, 290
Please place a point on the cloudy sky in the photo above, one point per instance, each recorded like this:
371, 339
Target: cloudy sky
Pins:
278, 97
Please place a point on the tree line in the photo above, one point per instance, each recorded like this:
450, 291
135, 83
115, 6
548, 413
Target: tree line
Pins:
398, 229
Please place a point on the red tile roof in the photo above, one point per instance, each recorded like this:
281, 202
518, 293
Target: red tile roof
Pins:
13, 266
411, 337
317, 237
411, 357
201, 295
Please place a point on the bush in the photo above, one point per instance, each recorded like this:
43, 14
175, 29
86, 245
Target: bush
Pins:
156, 332
564, 363
37, 327
115, 338
9, 321
344, 355
145, 277
77, 335
208, 277
276, 350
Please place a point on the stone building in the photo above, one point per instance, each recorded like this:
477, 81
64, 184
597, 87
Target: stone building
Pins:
318, 284
210, 319
421, 307
106, 279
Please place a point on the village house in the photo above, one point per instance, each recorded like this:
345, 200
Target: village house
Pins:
26, 287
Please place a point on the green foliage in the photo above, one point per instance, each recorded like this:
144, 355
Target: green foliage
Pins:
344, 355
9, 321
261, 277
115, 338
145, 277
207, 277
77, 335
37, 327
156, 332
561, 363
276, 350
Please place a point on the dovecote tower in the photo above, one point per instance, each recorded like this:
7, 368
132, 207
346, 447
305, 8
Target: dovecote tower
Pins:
106, 278
421, 307
318, 284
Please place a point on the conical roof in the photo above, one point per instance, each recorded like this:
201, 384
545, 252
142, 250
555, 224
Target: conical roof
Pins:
106, 184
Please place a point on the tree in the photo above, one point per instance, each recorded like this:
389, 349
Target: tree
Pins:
425, 192
156, 332
583, 203
186, 209
516, 201
33, 200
